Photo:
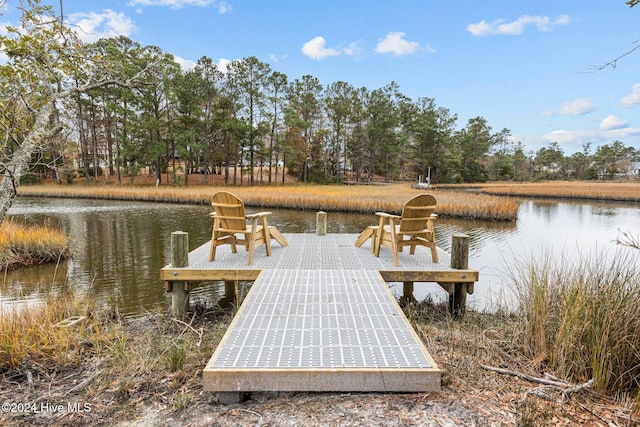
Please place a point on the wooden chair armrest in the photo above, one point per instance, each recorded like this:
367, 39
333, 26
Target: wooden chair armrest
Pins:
257, 215
388, 215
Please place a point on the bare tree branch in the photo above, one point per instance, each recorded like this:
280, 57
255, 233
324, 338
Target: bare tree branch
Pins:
614, 63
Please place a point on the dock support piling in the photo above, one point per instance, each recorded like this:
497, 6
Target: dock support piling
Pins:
232, 397
460, 261
321, 223
179, 259
230, 294
407, 294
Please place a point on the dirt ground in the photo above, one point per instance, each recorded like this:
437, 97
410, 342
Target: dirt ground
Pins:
96, 393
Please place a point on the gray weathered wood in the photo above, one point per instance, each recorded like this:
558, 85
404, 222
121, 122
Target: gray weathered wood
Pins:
179, 259
460, 261
321, 223
231, 397
179, 249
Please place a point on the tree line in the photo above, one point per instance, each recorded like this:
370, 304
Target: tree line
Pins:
128, 108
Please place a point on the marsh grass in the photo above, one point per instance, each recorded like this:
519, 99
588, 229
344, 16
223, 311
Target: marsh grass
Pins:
41, 334
356, 198
115, 359
594, 190
582, 320
24, 245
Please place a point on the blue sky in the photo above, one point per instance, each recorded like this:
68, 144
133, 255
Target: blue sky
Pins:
524, 65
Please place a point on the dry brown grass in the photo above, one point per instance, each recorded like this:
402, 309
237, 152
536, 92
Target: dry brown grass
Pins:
24, 245
40, 334
595, 190
582, 320
359, 198
147, 371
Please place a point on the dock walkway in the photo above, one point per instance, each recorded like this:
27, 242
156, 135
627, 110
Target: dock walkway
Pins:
320, 317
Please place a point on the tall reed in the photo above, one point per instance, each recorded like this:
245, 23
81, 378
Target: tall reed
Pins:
22, 244
582, 320
42, 333
356, 198
593, 190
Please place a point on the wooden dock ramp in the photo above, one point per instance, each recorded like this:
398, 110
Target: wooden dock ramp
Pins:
320, 317
321, 330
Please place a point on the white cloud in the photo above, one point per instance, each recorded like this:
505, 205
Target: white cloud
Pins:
612, 122
395, 44
315, 49
354, 49
223, 6
579, 137
92, 26
633, 99
563, 136
277, 58
543, 23
577, 107
223, 65
185, 64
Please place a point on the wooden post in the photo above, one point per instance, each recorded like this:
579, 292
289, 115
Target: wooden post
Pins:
459, 261
229, 294
179, 259
407, 294
321, 223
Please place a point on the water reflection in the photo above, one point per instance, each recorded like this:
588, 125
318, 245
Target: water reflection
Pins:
120, 247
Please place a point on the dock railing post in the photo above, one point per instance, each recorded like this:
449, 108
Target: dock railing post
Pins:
459, 261
321, 223
179, 259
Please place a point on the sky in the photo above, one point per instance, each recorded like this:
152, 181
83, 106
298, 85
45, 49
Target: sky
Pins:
530, 66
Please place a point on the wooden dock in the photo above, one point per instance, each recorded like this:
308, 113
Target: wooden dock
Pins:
319, 316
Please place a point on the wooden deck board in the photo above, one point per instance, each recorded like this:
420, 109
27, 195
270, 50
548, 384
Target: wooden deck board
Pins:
321, 330
308, 251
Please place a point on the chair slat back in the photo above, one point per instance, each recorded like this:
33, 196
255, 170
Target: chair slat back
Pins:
230, 210
416, 212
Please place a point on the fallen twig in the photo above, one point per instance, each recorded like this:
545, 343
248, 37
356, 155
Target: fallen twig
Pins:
70, 321
188, 326
541, 391
248, 411
84, 383
548, 385
595, 414
527, 377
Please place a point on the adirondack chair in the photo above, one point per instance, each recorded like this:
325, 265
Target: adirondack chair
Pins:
230, 227
413, 228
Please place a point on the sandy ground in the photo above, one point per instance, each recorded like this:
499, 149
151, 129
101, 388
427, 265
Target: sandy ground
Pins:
93, 393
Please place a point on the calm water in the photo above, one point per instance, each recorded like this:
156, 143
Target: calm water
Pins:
120, 247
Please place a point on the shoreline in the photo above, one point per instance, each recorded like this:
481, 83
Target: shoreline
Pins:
330, 198
146, 371
605, 191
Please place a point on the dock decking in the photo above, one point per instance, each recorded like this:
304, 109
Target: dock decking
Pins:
320, 317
